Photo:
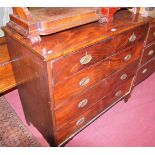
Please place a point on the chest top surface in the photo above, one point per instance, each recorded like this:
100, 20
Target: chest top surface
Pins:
65, 42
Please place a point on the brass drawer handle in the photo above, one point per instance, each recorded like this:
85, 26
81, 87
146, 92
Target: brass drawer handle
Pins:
118, 93
123, 76
84, 81
85, 59
132, 38
144, 70
127, 57
80, 121
150, 52
154, 34
83, 103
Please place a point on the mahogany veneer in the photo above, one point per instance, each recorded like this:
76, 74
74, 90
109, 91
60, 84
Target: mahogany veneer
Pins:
72, 77
7, 79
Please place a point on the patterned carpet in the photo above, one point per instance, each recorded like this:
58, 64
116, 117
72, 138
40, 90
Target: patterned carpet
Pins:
12, 131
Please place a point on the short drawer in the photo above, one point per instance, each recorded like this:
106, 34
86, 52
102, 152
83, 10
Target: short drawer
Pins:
131, 37
88, 77
145, 71
77, 123
151, 34
70, 64
148, 54
83, 101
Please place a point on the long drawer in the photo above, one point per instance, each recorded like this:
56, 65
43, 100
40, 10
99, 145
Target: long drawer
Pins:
83, 101
75, 124
88, 77
70, 64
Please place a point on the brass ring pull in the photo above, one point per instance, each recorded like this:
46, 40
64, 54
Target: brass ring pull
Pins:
132, 38
84, 81
83, 103
144, 70
80, 121
85, 59
150, 52
154, 34
118, 93
127, 57
123, 77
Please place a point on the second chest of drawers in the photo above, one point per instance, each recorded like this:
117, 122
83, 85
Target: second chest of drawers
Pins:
147, 65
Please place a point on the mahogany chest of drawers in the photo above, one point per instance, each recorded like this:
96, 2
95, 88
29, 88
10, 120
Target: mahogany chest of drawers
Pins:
72, 77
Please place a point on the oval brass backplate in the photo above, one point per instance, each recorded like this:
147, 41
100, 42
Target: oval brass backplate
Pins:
132, 38
144, 70
123, 76
85, 59
150, 52
80, 121
84, 81
118, 93
83, 103
127, 57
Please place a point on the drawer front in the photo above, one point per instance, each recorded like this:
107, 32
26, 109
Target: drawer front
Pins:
86, 78
73, 63
82, 102
151, 34
131, 37
70, 64
75, 124
148, 54
145, 71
